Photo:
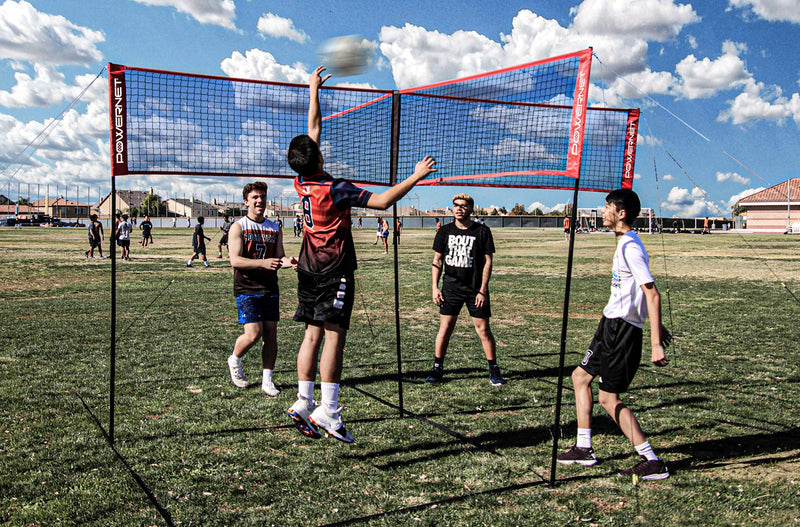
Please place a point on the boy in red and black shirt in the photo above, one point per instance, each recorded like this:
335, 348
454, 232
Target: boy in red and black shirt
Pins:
326, 269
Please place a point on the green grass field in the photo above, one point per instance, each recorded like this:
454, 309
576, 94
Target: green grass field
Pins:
191, 449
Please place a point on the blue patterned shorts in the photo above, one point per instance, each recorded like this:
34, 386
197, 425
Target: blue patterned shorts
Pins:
258, 308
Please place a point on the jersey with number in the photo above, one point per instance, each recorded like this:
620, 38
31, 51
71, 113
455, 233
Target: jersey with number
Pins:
629, 272
259, 241
327, 239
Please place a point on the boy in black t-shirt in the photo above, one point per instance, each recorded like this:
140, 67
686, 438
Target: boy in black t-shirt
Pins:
199, 243
463, 250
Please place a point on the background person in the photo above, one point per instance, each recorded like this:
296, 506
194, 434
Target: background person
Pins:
199, 243
463, 249
223, 240
124, 229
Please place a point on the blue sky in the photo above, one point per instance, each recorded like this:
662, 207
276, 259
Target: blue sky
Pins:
718, 81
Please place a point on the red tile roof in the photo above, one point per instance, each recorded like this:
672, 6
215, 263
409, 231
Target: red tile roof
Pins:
776, 193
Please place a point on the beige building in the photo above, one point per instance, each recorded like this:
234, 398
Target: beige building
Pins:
775, 209
62, 208
126, 200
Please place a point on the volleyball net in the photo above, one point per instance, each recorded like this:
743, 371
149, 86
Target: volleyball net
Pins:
528, 126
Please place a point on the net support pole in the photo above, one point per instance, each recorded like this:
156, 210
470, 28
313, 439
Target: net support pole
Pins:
556, 431
113, 359
393, 162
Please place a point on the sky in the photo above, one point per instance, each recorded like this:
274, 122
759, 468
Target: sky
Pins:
717, 81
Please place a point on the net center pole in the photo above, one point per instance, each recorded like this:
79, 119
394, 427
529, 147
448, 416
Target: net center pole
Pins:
393, 162
113, 358
556, 430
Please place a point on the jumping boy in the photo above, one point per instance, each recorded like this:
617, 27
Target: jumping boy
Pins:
326, 270
616, 350
256, 252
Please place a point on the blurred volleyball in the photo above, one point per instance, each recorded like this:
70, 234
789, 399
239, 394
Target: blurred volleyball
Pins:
345, 56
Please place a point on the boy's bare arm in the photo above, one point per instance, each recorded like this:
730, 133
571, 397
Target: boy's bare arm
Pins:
660, 336
314, 114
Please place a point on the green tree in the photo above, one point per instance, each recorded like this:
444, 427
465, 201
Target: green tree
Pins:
537, 212
153, 206
519, 210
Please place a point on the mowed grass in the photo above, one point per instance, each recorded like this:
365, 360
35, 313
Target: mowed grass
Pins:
191, 449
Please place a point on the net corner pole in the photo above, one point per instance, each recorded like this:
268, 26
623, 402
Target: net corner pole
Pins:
563, 344
113, 352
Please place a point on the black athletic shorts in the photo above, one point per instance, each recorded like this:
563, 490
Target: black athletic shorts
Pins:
455, 297
323, 299
614, 354
224, 239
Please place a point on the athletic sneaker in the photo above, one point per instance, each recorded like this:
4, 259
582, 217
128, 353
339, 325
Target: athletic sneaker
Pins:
648, 469
331, 422
237, 374
299, 413
579, 455
270, 389
219, 256
494, 376
436, 374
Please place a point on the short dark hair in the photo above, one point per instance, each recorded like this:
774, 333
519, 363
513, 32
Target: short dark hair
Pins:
201, 219
627, 200
255, 185
304, 155
93, 217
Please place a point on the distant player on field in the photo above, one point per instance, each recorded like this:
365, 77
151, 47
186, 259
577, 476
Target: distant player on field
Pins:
225, 228
616, 350
256, 252
326, 269
463, 251
199, 243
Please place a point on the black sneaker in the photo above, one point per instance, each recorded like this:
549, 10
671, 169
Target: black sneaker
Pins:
436, 374
648, 469
494, 376
579, 455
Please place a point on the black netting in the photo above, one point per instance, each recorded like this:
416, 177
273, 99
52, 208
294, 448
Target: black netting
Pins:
508, 128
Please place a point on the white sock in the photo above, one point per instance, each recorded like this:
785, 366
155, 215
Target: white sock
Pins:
330, 394
266, 377
646, 450
584, 438
305, 389
237, 360
189, 263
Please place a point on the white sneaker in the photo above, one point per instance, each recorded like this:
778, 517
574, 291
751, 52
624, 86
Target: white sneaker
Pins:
299, 413
237, 374
270, 389
331, 422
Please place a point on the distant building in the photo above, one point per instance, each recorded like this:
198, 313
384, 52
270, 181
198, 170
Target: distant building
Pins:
192, 208
62, 208
774, 209
126, 200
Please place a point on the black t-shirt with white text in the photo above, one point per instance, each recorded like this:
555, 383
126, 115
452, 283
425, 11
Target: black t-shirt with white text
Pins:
464, 253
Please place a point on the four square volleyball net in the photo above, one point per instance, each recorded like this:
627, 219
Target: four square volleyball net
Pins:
528, 126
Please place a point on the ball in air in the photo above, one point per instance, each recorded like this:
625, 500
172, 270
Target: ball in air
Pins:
345, 56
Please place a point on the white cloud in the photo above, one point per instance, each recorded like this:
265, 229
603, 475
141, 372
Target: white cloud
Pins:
688, 203
419, 56
272, 25
29, 35
261, 65
215, 12
706, 77
668, 177
772, 10
760, 102
733, 200
732, 176
659, 20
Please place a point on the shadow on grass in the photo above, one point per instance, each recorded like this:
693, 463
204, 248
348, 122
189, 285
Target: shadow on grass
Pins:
703, 455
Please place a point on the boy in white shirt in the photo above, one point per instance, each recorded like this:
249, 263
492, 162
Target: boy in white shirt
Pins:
616, 350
